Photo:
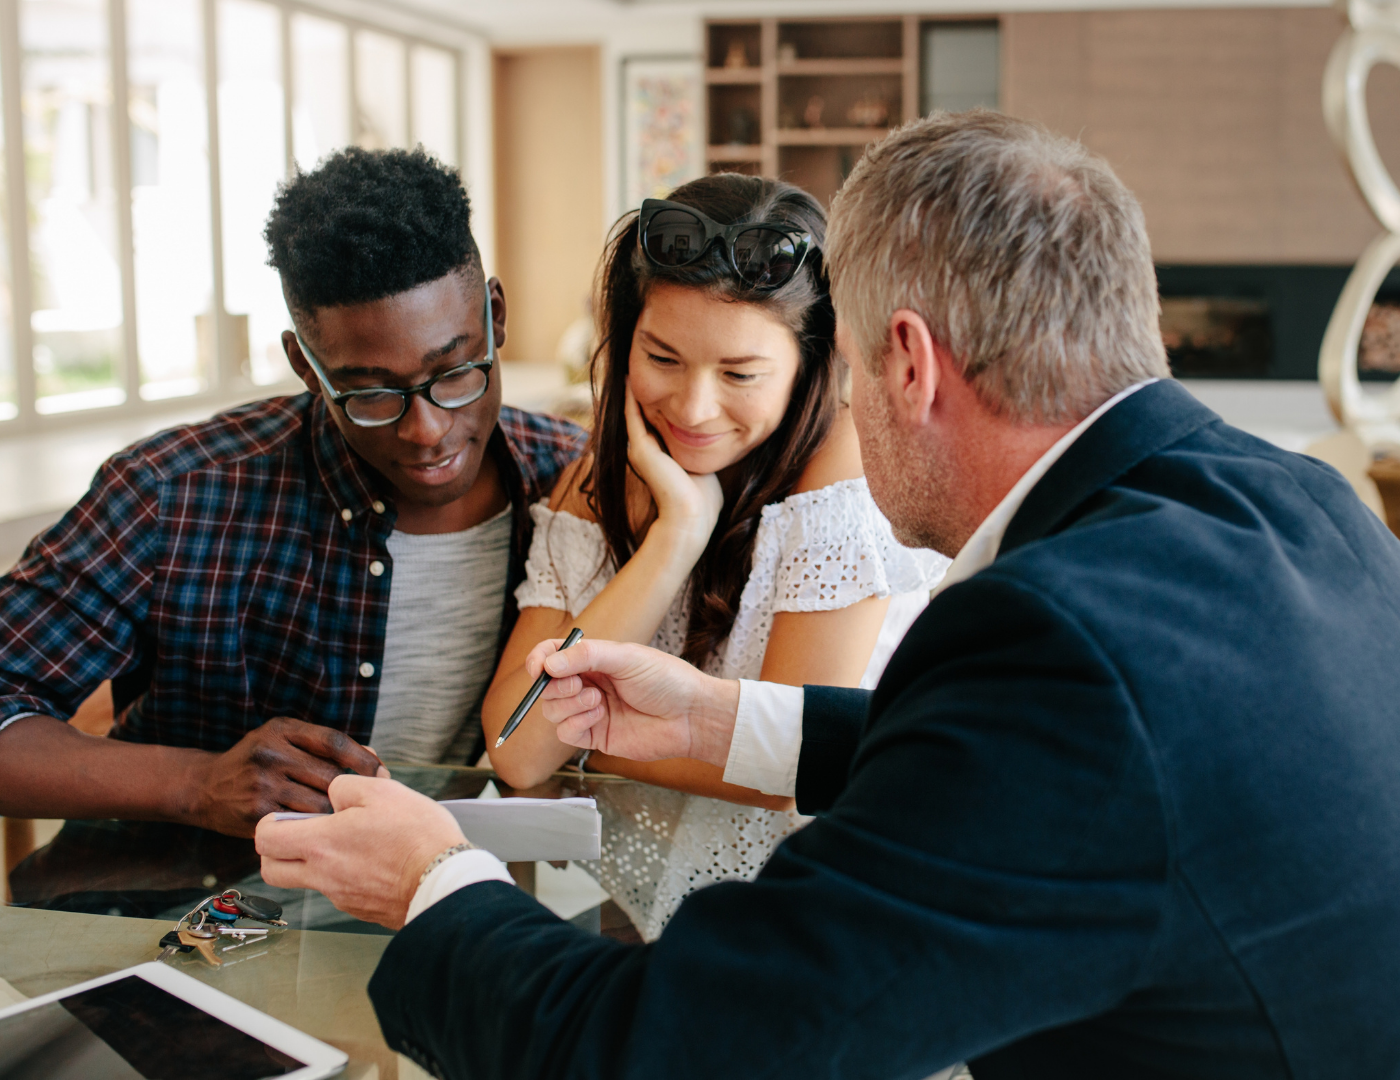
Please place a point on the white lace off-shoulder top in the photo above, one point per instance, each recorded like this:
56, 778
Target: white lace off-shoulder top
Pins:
818, 550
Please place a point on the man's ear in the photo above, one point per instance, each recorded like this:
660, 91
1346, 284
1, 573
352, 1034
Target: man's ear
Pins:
498, 309
913, 369
298, 362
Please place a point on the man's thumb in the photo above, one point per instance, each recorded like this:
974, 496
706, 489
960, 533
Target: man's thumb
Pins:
604, 657
351, 789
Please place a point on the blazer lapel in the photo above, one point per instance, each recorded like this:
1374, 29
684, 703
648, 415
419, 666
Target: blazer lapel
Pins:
1133, 430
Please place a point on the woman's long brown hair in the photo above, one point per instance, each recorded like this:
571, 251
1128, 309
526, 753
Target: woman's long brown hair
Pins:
771, 470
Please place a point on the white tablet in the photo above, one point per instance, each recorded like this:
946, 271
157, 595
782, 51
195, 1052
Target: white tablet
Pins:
152, 1021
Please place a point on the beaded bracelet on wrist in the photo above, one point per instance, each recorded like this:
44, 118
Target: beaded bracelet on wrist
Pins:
440, 858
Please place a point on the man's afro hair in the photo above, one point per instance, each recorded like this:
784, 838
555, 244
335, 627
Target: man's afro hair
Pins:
367, 224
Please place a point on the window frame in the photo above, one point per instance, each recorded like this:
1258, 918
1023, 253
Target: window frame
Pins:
227, 381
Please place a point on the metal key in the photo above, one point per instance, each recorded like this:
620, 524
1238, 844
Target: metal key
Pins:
171, 945
203, 942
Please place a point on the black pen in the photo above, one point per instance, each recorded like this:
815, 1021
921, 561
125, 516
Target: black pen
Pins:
575, 635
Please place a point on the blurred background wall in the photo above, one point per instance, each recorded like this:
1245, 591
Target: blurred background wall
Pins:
141, 142
549, 189
1213, 118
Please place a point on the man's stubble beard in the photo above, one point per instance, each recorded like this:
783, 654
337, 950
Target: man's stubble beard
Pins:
911, 481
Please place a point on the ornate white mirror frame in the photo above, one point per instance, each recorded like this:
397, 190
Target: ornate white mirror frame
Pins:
1372, 37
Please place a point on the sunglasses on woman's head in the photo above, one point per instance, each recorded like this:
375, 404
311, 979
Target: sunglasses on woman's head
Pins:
763, 255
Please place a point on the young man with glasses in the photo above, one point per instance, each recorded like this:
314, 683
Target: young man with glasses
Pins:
279, 588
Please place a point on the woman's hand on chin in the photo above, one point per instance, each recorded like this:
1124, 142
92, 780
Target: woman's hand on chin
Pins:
687, 505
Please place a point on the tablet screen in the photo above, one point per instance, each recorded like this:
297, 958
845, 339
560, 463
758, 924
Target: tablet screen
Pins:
131, 1029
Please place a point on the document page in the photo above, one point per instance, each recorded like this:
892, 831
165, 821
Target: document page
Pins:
531, 830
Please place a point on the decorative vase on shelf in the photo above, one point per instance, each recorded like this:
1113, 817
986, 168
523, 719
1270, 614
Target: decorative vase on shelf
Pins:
737, 56
871, 110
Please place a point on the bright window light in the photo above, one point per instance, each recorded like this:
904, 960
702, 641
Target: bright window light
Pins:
124, 304
434, 81
380, 94
75, 274
170, 222
321, 88
252, 160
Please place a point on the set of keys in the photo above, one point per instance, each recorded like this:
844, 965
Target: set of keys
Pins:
212, 918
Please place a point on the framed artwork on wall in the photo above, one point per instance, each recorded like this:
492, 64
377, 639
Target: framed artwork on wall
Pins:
662, 142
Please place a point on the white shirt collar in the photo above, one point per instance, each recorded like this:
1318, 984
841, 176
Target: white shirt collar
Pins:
982, 547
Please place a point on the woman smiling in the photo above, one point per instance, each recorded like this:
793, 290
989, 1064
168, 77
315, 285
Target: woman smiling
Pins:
720, 514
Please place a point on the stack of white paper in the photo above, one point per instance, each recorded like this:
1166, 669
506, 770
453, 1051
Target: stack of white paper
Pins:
529, 830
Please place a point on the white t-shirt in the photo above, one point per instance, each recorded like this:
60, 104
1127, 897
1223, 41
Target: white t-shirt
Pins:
446, 600
816, 551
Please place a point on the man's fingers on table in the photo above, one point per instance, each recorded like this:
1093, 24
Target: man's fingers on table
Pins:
286, 873
301, 798
283, 840
332, 745
383, 771
306, 769
297, 838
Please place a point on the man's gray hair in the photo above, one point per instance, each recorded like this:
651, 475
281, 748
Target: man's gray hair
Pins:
1023, 252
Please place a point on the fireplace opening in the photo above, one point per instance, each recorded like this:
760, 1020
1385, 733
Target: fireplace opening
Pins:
1217, 336
1267, 322
1378, 355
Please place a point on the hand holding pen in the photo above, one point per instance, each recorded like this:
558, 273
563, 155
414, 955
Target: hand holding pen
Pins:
533, 694
633, 701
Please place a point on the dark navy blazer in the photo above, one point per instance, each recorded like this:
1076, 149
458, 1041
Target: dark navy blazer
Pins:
1126, 803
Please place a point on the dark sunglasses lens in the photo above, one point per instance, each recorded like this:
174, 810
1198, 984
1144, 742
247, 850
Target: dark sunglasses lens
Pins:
674, 238
460, 389
371, 410
765, 258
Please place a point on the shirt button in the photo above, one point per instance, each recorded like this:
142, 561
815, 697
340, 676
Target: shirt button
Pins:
367, 670
376, 568
346, 514
377, 506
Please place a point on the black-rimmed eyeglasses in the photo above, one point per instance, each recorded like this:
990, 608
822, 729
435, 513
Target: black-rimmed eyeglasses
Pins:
763, 254
376, 406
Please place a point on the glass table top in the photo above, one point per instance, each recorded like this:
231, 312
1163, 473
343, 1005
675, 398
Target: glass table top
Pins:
99, 896
312, 980
154, 870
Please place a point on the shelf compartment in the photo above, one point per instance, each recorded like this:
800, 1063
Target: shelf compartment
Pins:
726, 40
846, 101
842, 38
857, 66
734, 114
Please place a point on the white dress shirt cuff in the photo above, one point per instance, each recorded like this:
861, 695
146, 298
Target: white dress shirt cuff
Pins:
767, 738
463, 869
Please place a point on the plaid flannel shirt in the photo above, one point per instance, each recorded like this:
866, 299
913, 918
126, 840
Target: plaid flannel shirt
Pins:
219, 575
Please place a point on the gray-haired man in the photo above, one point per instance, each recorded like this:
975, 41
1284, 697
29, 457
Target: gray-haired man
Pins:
1124, 803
